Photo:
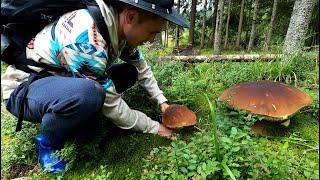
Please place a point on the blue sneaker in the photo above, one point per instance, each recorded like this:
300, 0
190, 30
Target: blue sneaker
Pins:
47, 159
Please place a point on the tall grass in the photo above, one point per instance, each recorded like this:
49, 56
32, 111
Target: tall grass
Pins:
214, 128
216, 138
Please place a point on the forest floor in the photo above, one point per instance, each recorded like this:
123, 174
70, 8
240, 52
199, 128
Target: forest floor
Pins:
112, 153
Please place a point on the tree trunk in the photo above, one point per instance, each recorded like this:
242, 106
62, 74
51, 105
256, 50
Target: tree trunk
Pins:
167, 35
246, 26
203, 24
192, 21
164, 41
158, 39
254, 24
298, 26
217, 33
271, 25
177, 27
240, 25
177, 36
227, 25
214, 14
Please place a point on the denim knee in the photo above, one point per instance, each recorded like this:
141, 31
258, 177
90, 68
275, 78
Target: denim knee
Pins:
91, 96
76, 107
83, 100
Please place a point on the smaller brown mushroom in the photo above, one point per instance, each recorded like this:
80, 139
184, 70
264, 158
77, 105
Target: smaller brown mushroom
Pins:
178, 116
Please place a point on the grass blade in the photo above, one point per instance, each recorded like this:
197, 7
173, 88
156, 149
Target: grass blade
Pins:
228, 170
214, 128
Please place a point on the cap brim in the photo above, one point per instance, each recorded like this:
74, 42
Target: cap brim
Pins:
173, 17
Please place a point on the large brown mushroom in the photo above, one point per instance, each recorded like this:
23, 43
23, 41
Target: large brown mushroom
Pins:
178, 116
274, 100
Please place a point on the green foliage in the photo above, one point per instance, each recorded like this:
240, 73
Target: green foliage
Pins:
183, 84
247, 157
17, 149
3, 66
101, 175
111, 153
198, 158
306, 67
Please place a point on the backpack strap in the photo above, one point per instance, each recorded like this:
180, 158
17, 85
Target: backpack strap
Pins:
95, 13
33, 77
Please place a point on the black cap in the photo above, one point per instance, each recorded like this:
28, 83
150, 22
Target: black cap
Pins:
162, 8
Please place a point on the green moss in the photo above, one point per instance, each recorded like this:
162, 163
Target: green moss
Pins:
306, 126
121, 155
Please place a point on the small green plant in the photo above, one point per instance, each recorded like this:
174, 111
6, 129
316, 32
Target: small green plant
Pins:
198, 158
102, 174
214, 128
18, 155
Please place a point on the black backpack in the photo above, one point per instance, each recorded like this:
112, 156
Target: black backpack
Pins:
21, 20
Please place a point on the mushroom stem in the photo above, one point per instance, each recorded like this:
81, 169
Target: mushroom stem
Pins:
286, 123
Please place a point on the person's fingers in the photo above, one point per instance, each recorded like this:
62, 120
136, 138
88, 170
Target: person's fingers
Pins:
165, 132
164, 106
169, 136
166, 135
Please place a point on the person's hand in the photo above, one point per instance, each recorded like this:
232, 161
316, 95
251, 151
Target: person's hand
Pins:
165, 132
164, 106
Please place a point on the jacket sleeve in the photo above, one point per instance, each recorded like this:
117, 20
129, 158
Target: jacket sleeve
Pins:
145, 76
116, 109
149, 83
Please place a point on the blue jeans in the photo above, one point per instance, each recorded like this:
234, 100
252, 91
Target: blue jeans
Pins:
62, 104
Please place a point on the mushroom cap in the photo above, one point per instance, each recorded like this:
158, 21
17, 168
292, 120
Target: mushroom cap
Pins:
274, 100
177, 116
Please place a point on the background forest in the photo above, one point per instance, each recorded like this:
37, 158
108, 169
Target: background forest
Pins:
245, 26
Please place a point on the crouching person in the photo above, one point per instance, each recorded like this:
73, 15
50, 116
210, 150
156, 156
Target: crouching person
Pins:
90, 82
